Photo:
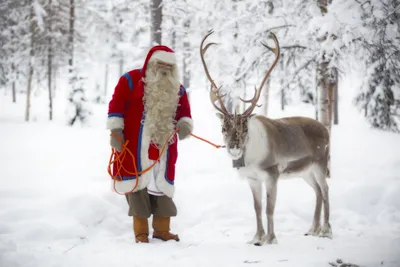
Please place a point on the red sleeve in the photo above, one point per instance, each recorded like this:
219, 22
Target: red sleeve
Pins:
184, 106
117, 103
116, 107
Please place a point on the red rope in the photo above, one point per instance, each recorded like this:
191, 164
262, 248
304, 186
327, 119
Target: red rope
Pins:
119, 157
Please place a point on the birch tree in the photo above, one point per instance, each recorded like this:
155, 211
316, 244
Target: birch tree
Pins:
78, 101
35, 25
50, 56
327, 76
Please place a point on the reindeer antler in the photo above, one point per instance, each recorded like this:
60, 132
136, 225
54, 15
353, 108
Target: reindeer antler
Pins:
214, 90
257, 92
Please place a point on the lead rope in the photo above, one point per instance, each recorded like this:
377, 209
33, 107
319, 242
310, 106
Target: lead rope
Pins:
119, 157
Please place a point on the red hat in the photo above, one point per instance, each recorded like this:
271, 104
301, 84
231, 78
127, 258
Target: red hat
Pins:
162, 53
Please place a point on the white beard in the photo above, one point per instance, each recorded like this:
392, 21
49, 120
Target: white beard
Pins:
160, 104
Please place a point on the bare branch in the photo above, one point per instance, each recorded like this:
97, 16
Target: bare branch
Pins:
305, 65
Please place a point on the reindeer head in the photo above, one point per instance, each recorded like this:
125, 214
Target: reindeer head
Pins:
235, 126
234, 131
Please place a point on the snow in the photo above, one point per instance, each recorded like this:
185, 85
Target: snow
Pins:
57, 207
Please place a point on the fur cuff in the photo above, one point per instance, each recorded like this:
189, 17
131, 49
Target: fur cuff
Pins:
115, 123
163, 185
188, 121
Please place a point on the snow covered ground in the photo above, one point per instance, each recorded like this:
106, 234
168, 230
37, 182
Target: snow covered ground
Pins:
57, 208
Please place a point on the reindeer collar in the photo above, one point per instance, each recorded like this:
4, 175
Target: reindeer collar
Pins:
239, 163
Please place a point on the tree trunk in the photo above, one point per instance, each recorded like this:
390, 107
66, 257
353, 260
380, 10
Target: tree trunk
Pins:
71, 37
121, 55
14, 93
13, 69
241, 107
283, 81
31, 58
49, 63
266, 96
237, 106
156, 21
324, 95
336, 104
106, 80
28, 92
326, 83
55, 79
50, 82
316, 96
173, 35
186, 55
121, 65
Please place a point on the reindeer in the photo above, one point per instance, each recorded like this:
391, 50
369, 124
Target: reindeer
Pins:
265, 150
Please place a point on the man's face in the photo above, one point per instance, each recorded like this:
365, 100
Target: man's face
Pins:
163, 67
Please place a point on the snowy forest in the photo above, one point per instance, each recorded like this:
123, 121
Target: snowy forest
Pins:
83, 46
339, 63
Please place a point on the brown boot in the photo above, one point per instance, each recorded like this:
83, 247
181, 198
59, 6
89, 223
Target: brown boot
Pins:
141, 229
161, 229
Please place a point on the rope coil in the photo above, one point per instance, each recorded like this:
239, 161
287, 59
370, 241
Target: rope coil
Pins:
119, 157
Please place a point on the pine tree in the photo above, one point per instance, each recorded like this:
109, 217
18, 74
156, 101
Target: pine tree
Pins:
379, 97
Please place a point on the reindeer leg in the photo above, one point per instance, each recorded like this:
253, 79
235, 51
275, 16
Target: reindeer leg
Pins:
326, 230
316, 224
256, 190
272, 184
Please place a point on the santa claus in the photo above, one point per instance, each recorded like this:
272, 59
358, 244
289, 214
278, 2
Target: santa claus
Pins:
147, 106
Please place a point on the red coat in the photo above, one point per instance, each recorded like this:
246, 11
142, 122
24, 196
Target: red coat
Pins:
126, 111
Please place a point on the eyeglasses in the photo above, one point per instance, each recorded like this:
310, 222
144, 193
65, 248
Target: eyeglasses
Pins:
164, 65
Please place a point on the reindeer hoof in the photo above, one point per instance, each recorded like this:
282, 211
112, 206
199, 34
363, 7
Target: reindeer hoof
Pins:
314, 231
258, 240
255, 242
326, 231
271, 239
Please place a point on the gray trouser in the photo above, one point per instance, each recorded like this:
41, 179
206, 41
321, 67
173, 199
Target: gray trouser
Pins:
142, 204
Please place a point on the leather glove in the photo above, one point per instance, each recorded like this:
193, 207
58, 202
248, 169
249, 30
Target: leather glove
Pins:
115, 142
185, 128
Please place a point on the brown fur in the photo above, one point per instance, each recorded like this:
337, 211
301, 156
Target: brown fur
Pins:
301, 139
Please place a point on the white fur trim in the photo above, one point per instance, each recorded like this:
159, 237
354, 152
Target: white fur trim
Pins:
144, 180
152, 188
124, 186
115, 123
187, 120
162, 184
167, 57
